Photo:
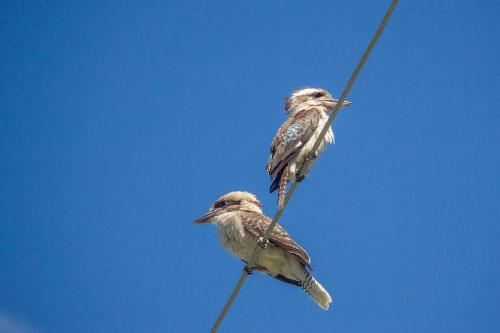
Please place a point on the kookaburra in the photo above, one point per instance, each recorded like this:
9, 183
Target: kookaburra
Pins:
291, 147
241, 225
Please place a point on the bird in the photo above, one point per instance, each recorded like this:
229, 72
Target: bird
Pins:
292, 145
241, 225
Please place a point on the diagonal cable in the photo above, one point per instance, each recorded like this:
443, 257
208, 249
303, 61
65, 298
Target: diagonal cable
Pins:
258, 249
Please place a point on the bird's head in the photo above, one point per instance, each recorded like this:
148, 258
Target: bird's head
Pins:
231, 202
311, 97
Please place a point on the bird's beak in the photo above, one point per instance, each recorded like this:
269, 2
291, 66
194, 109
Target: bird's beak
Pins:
207, 217
332, 103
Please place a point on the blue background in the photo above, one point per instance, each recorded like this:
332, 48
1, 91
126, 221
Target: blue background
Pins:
121, 122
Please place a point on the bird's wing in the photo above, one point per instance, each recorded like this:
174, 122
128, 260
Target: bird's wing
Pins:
291, 136
257, 224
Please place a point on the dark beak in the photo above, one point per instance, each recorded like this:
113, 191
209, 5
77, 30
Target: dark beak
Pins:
207, 217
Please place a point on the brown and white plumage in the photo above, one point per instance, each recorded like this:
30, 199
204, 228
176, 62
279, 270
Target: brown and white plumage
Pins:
292, 145
241, 223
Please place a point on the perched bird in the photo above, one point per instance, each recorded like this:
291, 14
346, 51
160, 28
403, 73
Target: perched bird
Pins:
241, 225
292, 145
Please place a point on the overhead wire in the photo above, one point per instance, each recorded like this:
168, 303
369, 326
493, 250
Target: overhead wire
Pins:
264, 239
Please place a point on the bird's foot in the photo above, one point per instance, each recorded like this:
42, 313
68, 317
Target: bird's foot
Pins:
311, 156
261, 243
248, 270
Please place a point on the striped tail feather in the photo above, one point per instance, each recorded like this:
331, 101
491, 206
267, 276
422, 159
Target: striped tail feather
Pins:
316, 291
282, 188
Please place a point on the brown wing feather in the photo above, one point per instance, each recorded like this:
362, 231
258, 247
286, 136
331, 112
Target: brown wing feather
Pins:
291, 136
257, 224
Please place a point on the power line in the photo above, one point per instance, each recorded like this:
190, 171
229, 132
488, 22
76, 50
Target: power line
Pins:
258, 249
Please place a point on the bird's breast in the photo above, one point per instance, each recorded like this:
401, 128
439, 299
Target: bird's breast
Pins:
234, 237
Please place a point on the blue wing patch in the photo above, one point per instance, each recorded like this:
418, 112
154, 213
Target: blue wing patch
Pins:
291, 133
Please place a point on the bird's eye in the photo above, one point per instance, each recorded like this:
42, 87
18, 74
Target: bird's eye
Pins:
318, 94
220, 204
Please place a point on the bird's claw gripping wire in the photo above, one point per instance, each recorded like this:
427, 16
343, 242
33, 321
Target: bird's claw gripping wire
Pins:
248, 270
261, 243
311, 156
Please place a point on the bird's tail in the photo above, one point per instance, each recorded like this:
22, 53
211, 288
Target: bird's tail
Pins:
282, 190
314, 289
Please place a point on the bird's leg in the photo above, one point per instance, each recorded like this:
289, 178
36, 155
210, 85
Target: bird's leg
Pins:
300, 177
246, 268
261, 243
306, 166
311, 156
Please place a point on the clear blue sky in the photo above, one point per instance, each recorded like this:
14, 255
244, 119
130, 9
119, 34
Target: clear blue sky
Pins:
122, 121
